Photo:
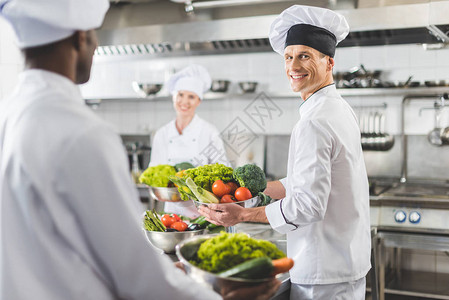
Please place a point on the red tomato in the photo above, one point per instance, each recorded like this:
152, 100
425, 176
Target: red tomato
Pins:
180, 226
167, 220
242, 193
219, 188
177, 218
233, 186
227, 199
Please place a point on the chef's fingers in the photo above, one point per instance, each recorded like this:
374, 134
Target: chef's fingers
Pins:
180, 266
209, 215
262, 291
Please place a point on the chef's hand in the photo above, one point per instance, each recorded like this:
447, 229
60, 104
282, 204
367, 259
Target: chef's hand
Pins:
180, 266
222, 214
262, 291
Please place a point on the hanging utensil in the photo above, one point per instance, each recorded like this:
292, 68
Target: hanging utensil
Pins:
434, 136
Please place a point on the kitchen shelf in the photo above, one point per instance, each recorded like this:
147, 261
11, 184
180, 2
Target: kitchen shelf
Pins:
420, 284
347, 92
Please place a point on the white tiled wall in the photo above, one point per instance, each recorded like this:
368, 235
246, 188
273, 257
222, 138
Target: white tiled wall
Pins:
112, 79
11, 62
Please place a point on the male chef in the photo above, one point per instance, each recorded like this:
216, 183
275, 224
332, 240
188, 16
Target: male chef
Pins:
324, 210
69, 213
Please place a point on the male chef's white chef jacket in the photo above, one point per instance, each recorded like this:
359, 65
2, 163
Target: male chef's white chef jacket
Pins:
199, 144
325, 212
71, 225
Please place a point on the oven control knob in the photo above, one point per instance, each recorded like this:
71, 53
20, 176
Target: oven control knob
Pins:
414, 217
400, 216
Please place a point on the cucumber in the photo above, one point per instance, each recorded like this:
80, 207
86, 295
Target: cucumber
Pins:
201, 194
256, 268
201, 220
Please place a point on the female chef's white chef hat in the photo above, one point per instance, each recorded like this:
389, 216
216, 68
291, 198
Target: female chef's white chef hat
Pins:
318, 28
41, 22
193, 78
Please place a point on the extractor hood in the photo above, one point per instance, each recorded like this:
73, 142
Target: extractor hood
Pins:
425, 23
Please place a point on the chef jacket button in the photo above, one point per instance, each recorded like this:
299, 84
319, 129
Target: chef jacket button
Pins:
169, 159
193, 140
171, 141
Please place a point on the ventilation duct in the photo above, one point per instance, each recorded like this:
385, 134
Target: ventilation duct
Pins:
425, 23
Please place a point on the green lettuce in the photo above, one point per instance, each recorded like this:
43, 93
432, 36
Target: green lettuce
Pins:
227, 250
157, 176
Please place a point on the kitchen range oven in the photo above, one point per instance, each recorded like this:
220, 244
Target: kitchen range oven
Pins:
411, 217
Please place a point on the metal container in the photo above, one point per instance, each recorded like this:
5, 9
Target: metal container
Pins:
444, 136
188, 248
220, 86
253, 202
167, 241
165, 194
248, 86
147, 89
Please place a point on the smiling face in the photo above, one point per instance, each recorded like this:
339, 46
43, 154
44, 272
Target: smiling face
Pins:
185, 103
307, 69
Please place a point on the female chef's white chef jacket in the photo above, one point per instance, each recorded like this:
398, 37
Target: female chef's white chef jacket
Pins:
325, 212
199, 144
71, 221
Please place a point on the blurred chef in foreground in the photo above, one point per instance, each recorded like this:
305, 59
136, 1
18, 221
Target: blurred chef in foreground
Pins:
187, 138
324, 206
69, 213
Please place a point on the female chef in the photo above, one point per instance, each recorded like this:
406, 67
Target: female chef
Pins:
187, 138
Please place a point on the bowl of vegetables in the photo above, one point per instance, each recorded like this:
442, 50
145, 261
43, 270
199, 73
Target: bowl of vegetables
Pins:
167, 230
229, 260
221, 184
161, 188
165, 194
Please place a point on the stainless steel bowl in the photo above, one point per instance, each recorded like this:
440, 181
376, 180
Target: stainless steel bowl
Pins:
167, 241
253, 202
248, 86
147, 89
188, 248
220, 86
165, 194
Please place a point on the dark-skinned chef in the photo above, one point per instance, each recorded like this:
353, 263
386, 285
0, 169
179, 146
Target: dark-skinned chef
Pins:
70, 216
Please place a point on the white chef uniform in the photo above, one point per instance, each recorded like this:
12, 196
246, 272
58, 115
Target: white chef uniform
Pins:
199, 143
70, 218
71, 224
325, 212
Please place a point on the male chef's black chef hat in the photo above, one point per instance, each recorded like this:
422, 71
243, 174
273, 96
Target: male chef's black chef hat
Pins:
194, 78
41, 22
318, 28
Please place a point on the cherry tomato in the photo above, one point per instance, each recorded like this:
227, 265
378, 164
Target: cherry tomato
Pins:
227, 199
177, 218
242, 193
167, 220
180, 226
219, 188
233, 186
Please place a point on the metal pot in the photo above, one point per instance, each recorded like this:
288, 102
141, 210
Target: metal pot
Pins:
434, 136
444, 136
248, 86
146, 89
220, 86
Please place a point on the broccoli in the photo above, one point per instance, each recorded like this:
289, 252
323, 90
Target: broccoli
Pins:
251, 177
